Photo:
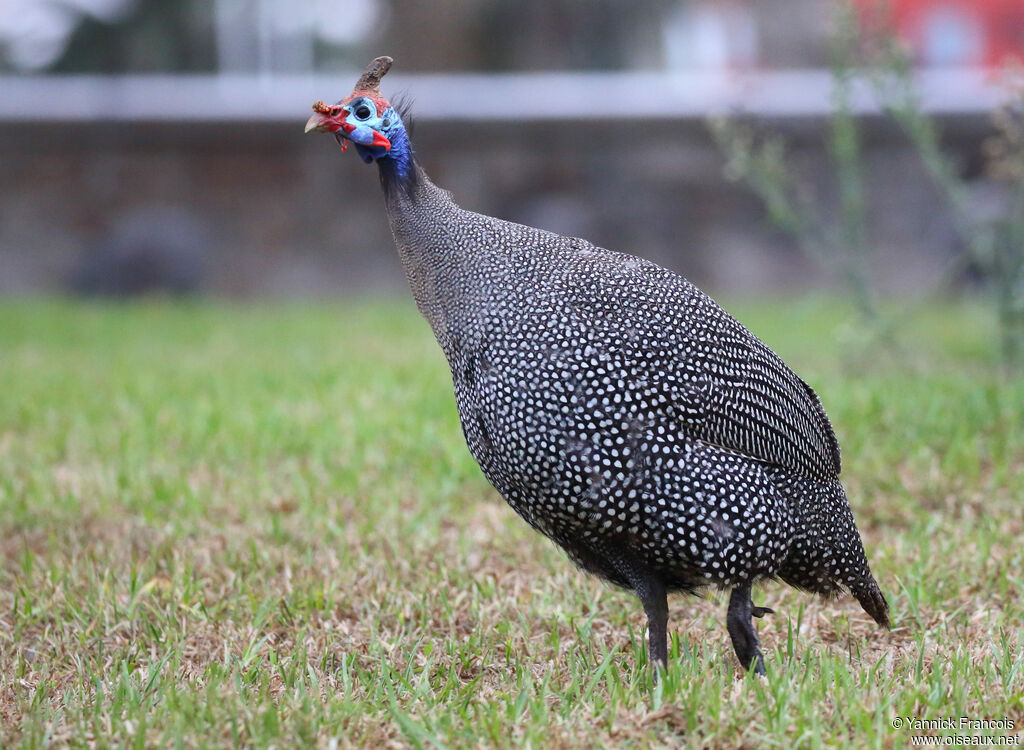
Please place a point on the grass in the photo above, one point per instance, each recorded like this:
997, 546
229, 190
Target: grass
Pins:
259, 525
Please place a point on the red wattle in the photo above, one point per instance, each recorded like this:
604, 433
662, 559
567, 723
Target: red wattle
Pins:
379, 140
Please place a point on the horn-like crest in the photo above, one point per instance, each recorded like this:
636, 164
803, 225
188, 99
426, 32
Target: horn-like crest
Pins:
370, 79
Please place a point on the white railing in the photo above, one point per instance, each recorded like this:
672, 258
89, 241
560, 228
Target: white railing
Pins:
474, 97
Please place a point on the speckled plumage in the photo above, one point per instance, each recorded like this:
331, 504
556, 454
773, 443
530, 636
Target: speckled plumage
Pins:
622, 413
612, 403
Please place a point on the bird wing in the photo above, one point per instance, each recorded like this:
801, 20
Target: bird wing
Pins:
728, 387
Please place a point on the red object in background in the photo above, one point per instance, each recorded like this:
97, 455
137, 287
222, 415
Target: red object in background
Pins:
955, 32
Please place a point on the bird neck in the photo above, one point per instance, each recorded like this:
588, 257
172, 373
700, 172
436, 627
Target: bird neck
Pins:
424, 220
398, 168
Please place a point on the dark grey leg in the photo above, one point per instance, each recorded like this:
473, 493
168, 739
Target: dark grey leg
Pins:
651, 591
741, 628
655, 600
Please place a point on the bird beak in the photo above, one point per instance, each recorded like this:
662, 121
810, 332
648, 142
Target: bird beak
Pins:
332, 120
321, 123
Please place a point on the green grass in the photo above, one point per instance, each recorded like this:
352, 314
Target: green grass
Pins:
259, 525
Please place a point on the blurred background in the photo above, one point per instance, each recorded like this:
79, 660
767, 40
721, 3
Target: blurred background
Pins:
237, 510
155, 146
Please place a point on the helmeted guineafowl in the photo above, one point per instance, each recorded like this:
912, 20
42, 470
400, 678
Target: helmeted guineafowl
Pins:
616, 407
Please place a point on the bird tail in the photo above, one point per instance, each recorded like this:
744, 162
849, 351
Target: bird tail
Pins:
858, 578
872, 599
828, 555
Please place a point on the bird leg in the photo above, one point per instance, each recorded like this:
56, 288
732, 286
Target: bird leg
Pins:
741, 628
654, 597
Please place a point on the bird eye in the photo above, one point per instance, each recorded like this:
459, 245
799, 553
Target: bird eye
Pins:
362, 112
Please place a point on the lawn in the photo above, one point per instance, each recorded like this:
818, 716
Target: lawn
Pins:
259, 525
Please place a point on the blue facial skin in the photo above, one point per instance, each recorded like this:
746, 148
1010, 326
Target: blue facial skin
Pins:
370, 154
388, 124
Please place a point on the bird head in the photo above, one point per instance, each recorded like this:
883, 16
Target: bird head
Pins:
364, 117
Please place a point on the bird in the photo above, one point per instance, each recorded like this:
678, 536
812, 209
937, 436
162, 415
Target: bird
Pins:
617, 408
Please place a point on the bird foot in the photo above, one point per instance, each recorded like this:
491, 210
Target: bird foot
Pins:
741, 629
759, 664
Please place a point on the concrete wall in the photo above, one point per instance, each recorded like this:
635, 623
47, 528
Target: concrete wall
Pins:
285, 214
